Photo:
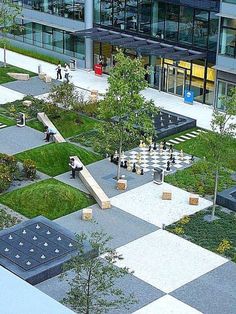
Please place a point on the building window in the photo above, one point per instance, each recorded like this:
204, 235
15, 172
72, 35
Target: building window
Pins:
228, 37
223, 89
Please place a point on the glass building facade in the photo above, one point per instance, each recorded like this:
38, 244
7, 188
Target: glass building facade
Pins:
187, 24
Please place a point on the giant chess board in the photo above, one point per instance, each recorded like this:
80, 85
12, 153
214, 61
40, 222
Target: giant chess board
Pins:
35, 250
157, 159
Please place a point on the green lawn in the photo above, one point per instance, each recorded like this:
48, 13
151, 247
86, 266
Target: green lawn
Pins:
198, 147
209, 235
87, 138
199, 178
53, 159
69, 125
50, 198
5, 78
7, 121
36, 124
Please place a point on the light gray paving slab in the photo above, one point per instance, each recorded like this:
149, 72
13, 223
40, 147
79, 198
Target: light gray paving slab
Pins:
34, 86
14, 140
212, 293
121, 226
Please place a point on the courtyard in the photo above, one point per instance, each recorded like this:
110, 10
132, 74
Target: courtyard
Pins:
178, 266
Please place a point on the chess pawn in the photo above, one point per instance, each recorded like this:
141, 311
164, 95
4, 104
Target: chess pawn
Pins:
122, 164
171, 149
168, 166
129, 168
160, 150
141, 144
116, 154
192, 158
173, 160
155, 146
164, 144
111, 158
149, 148
125, 164
144, 145
141, 172
134, 167
161, 145
181, 155
138, 171
171, 156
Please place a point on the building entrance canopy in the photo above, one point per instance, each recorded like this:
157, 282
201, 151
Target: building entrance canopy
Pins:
140, 45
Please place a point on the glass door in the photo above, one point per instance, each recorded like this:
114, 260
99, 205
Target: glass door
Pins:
175, 79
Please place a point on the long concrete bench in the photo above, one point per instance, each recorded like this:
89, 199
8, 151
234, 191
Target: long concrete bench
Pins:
93, 187
19, 76
42, 117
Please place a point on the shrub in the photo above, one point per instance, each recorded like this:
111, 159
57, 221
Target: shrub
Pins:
51, 110
29, 169
5, 177
224, 246
9, 161
6, 220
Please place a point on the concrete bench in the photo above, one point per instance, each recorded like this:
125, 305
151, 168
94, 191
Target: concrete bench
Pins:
42, 117
19, 76
93, 187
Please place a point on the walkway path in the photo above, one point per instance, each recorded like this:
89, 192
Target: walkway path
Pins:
87, 80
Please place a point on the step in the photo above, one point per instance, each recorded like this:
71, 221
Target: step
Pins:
191, 135
174, 141
185, 137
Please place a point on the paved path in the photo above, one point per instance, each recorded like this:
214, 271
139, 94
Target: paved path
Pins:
87, 80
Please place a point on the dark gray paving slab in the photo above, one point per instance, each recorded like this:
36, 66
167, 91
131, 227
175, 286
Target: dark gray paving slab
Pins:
76, 183
121, 226
14, 140
104, 172
34, 86
212, 293
143, 292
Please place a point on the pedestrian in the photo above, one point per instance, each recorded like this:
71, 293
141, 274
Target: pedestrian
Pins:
75, 166
48, 133
58, 69
67, 72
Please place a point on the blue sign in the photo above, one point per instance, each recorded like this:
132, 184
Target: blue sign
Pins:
188, 97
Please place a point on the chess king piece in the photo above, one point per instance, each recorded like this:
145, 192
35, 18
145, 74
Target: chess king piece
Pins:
134, 167
168, 166
155, 146
173, 160
164, 144
129, 168
171, 149
141, 144
181, 155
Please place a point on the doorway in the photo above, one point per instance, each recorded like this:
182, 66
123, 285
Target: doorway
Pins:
175, 79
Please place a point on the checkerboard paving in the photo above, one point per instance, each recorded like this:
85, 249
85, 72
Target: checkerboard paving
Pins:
167, 261
150, 160
167, 305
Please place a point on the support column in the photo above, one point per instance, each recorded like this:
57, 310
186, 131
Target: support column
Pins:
88, 19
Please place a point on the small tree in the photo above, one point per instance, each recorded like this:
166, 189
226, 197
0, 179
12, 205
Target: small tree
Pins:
93, 289
217, 141
127, 113
65, 95
8, 15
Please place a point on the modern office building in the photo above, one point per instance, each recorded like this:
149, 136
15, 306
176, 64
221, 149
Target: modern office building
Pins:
226, 52
176, 39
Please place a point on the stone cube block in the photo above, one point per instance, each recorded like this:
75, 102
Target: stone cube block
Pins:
193, 200
167, 196
122, 184
87, 213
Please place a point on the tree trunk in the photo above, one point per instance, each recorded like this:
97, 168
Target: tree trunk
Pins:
5, 55
215, 193
118, 167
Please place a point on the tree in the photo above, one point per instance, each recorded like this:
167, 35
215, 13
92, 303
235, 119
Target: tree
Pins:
9, 11
223, 129
93, 290
126, 112
65, 95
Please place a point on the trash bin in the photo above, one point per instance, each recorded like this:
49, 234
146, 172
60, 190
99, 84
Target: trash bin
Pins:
98, 69
158, 175
39, 68
72, 64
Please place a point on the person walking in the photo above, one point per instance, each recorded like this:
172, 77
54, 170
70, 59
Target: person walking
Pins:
67, 72
59, 76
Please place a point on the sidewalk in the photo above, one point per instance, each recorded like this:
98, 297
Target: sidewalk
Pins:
87, 80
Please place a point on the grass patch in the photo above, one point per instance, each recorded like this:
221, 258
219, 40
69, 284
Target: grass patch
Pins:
87, 138
209, 235
50, 198
198, 147
36, 124
53, 159
5, 78
199, 178
70, 124
8, 122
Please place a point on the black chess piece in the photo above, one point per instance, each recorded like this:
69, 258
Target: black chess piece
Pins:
171, 149
173, 160
168, 166
122, 164
116, 160
134, 167
171, 156
192, 158
164, 144
125, 164
141, 172
149, 148
111, 158
155, 146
